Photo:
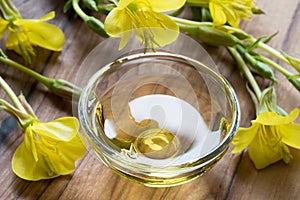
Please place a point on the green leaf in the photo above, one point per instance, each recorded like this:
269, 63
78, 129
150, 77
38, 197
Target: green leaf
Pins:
295, 80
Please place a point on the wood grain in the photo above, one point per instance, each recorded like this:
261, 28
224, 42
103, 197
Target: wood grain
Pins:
234, 177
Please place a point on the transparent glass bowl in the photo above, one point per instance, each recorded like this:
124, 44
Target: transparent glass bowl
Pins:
160, 119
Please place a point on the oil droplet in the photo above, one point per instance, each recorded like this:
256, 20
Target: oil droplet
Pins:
157, 143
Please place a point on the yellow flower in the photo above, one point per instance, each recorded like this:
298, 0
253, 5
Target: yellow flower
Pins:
230, 11
151, 28
268, 138
3, 26
26, 33
49, 149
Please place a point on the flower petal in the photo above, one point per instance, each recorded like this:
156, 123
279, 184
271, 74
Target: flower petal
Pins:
117, 22
166, 5
12, 42
244, 137
19, 42
48, 16
217, 13
42, 155
22, 163
263, 154
64, 129
233, 17
124, 3
159, 30
125, 37
51, 162
290, 134
60, 160
3, 27
43, 34
272, 118
29, 143
230, 11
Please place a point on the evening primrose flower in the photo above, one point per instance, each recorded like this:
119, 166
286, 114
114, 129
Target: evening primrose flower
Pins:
151, 28
230, 11
23, 34
48, 150
268, 138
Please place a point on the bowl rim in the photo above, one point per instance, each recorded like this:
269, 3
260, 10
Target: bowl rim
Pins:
210, 155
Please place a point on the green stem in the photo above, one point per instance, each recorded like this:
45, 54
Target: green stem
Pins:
11, 95
187, 25
243, 66
8, 10
44, 80
276, 66
199, 3
270, 50
181, 21
78, 10
59, 87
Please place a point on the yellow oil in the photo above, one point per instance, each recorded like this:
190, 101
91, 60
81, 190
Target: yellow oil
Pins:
147, 139
144, 138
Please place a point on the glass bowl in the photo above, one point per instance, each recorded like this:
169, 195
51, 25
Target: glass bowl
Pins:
159, 118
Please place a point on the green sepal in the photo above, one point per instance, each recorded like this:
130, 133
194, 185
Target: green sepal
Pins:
67, 6
268, 39
23, 118
295, 80
256, 10
268, 100
263, 39
294, 62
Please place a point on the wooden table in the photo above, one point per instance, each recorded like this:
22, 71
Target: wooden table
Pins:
234, 177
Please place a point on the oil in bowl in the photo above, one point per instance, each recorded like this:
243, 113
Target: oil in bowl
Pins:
158, 118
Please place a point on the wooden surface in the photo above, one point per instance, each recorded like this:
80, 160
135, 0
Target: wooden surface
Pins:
234, 177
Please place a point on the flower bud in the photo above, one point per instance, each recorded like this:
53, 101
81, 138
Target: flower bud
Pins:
96, 25
91, 4
215, 36
65, 89
264, 70
260, 67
